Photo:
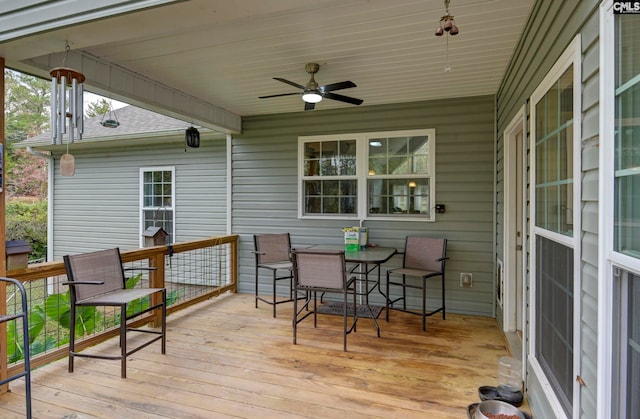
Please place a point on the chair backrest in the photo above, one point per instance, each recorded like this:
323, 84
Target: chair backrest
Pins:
424, 253
319, 268
272, 247
103, 265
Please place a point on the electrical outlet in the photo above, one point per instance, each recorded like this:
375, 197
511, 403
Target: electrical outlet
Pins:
466, 280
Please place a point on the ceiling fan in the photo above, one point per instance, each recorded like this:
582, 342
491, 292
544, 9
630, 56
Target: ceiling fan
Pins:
312, 93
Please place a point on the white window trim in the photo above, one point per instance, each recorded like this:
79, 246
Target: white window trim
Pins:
171, 169
362, 168
571, 56
607, 257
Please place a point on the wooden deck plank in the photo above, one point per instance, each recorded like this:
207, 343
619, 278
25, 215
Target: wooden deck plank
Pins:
227, 359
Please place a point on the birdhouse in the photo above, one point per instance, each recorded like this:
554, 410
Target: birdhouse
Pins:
154, 236
17, 252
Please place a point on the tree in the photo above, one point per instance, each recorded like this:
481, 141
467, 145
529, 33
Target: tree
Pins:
97, 108
26, 106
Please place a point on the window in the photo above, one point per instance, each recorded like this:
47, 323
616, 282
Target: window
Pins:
555, 258
554, 156
157, 198
369, 175
330, 180
627, 340
627, 137
620, 182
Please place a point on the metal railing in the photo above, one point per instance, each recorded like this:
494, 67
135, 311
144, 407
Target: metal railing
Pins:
190, 271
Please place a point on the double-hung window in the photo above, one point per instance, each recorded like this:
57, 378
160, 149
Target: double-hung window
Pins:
157, 200
555, 135
619, 294
368, 175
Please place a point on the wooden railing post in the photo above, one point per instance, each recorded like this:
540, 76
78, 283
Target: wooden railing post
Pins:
234, 264
157, 280
3, 251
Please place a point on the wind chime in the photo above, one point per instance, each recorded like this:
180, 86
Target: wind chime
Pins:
66, 110
447, 26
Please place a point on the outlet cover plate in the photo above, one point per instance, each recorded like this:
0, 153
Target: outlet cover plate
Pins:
466, 280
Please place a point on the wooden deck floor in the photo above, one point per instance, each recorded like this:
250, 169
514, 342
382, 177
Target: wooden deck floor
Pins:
227, 359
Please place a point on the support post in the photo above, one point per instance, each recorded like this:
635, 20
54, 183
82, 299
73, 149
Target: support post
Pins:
3, 251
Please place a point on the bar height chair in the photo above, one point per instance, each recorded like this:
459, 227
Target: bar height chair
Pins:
97, 279
424, 258
272, 253
323, 271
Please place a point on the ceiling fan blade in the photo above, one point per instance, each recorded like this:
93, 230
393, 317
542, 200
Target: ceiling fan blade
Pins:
337, 86
299, 86
308, 106
343, 98
280, 94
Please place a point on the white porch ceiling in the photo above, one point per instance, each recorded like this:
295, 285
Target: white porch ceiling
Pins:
226, 53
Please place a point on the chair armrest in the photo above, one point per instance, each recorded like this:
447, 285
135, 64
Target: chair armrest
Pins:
83, 283
141, 268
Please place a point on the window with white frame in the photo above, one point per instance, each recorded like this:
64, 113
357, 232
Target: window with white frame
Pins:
627, 342
624, 225
553, 129
157, 199
368, 175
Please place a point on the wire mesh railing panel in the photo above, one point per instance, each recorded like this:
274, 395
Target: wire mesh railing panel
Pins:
199, 269
194, 273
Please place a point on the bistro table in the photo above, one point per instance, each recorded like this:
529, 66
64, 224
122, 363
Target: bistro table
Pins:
367, 260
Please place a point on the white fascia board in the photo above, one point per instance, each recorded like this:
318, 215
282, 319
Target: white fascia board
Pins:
34, 16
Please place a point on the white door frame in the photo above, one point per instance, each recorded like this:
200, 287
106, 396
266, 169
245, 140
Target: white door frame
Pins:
511, 274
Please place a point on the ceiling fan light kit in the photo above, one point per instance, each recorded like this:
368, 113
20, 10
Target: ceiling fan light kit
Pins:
311, 97
312, 93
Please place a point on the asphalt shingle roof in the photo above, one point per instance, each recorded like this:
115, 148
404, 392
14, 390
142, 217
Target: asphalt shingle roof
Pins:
133, 121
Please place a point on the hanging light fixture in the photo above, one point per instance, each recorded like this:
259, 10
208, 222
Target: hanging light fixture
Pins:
192, 137
66, 103
447, 23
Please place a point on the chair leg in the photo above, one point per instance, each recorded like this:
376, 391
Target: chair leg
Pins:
443, 304
315, 309
424, 304
274, 293
387, 297
344, 321
256, 287
355, 308
123, 341
164, 322
295, 318
404, 292
72, 335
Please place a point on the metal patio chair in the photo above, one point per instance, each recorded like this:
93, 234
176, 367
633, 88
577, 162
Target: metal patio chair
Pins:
323, 271
98, 279
23, 314
272, 252
424, 258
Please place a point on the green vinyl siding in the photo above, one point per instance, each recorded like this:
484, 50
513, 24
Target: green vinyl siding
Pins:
552, 26
98, 207
265, 194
